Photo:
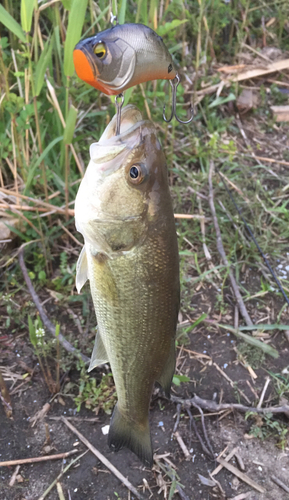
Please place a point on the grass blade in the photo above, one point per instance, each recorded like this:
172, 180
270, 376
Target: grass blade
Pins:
163, 30
37, 163
66, 4
11, 24
275, 326
251, 340
121, 17
70, 125
42, 65
75, 24
99, 18
27, 14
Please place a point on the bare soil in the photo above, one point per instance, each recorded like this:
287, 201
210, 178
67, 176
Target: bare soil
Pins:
89, 479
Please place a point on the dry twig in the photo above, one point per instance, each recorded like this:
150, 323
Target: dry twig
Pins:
263, 392
14, 475
280, 483
182, 446
241, 475
228, 457
220, 247
22, 461
192, 421
102, 458
47, 323
206, 404
60, 476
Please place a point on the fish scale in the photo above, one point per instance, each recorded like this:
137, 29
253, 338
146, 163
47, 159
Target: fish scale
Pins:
135, 290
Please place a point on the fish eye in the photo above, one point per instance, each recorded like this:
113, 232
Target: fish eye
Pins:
100, 50
136, 174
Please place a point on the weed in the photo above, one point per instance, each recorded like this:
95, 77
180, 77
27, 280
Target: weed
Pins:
281, 384
96, 396
43, 350
254, 357
266, 426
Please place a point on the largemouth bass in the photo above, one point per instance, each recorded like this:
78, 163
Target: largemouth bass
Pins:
124, 211
122, 56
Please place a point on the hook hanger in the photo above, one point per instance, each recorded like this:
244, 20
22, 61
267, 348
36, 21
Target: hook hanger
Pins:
113, 19
118, 105
174, 84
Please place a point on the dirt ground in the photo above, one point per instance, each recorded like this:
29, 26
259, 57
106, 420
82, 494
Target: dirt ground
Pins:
89, 479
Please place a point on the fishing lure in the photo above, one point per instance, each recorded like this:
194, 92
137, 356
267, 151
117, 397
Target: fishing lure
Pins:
123, 56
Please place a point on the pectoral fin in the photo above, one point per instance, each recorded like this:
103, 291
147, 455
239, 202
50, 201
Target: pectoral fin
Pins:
81, 270
99, 356
165, 378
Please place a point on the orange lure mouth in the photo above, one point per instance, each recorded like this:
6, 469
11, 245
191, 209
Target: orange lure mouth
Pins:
85, 72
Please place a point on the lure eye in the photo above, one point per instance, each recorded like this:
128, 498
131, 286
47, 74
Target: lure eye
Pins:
100, 50
136, 174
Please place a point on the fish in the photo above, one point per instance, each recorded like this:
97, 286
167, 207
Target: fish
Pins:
123, 56
124, 211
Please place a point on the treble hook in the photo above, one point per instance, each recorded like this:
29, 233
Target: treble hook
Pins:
118, 112
174, 84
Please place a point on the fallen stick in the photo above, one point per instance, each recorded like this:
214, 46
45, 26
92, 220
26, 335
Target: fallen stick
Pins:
102, 458
60, 491
241, 475
231, 382
220, 247
209, 405
192, 422
280, 483
219, 467
245, 75
263, 392
190, 216
34, 460
47, 323
240, 461
60, 476
28, 208
205, 430
13, 477
77, 419
182, 446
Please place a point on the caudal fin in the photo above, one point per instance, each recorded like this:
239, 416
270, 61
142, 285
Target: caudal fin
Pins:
124, 433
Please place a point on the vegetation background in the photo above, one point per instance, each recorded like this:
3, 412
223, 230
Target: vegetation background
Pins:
49, 118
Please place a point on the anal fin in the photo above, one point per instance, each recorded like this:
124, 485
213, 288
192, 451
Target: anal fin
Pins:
166, 377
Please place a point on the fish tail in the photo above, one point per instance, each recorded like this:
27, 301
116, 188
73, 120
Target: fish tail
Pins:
135, 437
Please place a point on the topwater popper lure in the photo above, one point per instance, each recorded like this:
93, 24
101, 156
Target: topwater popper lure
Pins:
123, 56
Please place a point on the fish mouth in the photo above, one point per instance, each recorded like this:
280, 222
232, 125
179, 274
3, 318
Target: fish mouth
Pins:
111, 150
131, 120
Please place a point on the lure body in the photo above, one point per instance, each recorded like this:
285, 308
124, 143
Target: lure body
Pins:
121, 57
